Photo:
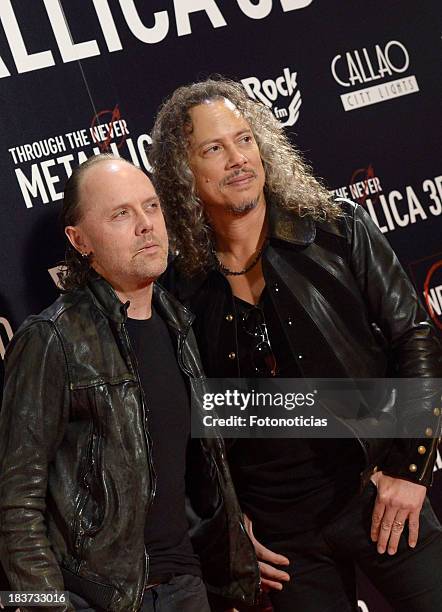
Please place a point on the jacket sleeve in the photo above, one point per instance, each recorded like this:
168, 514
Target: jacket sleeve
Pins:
32, 422
415, 347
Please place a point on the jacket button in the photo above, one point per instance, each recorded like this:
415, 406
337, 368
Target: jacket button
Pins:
421, 450
289, 320
275, 287
413, 467
232, 355
436, 412
229, 317
300, 356
428, 432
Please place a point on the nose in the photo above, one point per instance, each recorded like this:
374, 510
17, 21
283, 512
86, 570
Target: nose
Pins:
144, 223
235, 157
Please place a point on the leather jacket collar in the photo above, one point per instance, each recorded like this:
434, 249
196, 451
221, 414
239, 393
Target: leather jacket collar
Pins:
106, 300
286, 226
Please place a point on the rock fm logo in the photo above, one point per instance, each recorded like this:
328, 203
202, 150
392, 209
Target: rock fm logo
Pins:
281, 94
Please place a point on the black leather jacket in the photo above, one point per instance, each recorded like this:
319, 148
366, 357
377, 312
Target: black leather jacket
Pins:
77, 477
342, 282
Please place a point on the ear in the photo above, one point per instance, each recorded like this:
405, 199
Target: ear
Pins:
76, 238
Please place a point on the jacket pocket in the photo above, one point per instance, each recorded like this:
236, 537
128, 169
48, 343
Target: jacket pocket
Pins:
94, 508
99, 594
91, 504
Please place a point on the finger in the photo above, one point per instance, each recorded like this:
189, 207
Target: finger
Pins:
269, 572
374, 478
396, 531
376, 519
248, 525
413, 528
385, 530
269, 585
265, 554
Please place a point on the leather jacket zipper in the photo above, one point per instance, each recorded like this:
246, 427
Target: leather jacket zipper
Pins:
240, 519
78, 533
258, 582
184, 368
149, 446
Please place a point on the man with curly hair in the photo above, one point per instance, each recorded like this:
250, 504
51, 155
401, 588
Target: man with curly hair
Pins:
285, 281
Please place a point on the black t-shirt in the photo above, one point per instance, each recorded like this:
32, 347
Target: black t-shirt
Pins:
287, 485
166, 533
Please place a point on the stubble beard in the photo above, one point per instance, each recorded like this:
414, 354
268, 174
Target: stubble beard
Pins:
247, 205
243, 208
151, 269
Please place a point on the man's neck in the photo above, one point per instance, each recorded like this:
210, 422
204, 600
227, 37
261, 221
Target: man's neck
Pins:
138, 293
140, 299
239, 236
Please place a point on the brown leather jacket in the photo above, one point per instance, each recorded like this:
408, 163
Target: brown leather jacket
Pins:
76, 473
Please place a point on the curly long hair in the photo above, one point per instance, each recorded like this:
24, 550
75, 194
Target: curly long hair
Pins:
290, 183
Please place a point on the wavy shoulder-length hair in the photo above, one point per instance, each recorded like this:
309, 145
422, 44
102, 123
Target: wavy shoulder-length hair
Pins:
290, 183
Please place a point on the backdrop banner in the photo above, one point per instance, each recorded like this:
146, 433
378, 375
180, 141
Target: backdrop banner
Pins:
356, 85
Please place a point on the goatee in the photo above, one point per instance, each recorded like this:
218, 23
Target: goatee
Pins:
243, 208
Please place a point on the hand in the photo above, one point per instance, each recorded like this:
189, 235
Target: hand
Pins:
397, 501
270, 577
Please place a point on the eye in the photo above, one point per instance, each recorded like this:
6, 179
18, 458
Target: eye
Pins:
120, 214
247, 138
213, 149
153, 205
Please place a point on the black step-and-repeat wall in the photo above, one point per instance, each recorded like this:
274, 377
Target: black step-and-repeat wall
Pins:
356, 84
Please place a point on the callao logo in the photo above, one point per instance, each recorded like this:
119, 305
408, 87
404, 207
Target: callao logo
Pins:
280, 94
373, 65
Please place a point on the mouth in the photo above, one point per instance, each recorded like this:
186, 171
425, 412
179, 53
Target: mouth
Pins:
241, 180
148, 248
